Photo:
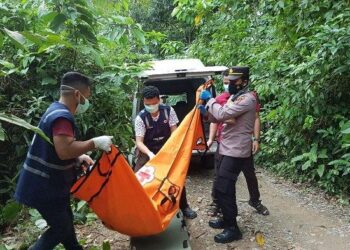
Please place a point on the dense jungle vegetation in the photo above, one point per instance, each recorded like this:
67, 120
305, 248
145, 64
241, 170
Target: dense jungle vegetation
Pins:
298, 51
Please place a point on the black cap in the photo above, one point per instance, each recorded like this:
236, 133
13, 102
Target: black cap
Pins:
237, 72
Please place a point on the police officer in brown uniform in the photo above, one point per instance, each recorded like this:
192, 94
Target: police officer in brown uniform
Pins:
230, 77
235, 150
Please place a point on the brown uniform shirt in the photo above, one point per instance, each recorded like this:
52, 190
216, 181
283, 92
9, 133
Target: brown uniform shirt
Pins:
236, 136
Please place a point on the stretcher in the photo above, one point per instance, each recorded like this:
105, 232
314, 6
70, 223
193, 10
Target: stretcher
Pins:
175, 237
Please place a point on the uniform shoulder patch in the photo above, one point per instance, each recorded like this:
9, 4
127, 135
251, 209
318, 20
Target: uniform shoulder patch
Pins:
229, 102
239, 99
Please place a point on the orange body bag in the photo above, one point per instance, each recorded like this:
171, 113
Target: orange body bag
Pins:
142, 203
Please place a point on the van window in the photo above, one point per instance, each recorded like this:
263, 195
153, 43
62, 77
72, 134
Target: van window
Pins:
173, 99
180, 105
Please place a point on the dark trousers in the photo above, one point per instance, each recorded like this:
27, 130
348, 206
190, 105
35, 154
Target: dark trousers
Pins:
183, 199
217, 160
252, 181
225, 186
141, 161
249, 174
59, 217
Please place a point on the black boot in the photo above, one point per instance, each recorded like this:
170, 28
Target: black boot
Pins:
189, 213
228, 235
217, 223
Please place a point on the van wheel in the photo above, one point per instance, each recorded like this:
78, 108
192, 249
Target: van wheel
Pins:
208, 161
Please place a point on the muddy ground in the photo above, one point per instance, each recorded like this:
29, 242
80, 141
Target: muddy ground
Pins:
301, 217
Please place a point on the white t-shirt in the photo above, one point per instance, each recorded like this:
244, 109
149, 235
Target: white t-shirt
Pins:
140, 127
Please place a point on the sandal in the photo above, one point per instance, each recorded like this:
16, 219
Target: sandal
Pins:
260, 208
213, 210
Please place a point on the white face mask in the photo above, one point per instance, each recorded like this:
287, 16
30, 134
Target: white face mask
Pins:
226, 87
152, 108
81, 108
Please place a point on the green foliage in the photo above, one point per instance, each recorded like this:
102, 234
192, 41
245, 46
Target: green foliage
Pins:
172, 48
298, 52
106, 245
9, 213
22, 123
36, 219
169, 35
40, 41
82, 213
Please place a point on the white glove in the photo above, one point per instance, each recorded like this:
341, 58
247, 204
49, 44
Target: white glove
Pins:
151, 155
103, 142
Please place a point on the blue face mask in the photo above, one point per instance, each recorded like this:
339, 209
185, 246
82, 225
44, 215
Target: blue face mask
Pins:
152, 108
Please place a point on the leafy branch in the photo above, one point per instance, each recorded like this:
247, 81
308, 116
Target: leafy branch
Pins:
22, 123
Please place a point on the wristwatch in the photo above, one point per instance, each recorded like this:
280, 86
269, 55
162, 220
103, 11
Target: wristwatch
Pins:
255, 139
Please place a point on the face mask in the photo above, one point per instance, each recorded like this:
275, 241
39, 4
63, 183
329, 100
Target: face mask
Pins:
81, 108
152, 108
226, 87
233, 88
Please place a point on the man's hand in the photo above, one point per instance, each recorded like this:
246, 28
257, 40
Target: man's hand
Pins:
209, 143
202, 109
255, 147
103, 142
85, 162
86, 158
151, 155
205, 95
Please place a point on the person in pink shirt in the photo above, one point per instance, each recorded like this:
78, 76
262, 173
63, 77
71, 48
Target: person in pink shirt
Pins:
249, 172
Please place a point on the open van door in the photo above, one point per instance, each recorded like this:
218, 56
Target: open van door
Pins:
179, 68
176, 76
175, 69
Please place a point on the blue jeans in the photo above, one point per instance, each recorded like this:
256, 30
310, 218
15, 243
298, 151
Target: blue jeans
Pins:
59, 217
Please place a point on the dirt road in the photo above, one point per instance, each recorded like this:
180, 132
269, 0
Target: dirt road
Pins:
301, 218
